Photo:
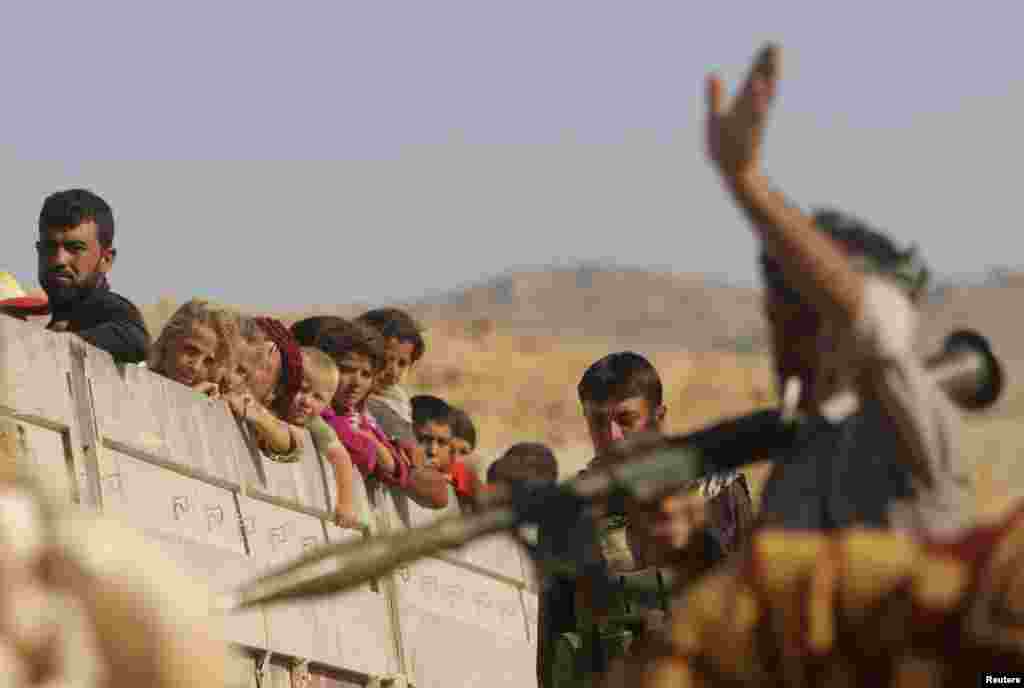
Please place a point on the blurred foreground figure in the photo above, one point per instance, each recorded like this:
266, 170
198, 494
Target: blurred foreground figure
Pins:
859, 608
86, 602
878, 441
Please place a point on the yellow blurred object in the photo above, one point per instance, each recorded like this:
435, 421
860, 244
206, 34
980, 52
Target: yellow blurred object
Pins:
9, 287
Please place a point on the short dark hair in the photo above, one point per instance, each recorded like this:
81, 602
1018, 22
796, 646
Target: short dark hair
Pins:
394, 323
308, 329
349, 337
427, 408
462, 427
858, 239
70, 208
619, 376
525, 461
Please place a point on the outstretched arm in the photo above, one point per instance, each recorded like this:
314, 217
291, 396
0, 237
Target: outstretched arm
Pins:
346, 511
812, 263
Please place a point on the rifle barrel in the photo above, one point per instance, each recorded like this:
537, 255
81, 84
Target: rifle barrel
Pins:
965, 368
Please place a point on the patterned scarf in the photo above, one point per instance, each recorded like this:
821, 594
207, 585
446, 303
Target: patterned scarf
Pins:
397, 399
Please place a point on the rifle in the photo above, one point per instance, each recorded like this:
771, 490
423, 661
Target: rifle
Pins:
642, 469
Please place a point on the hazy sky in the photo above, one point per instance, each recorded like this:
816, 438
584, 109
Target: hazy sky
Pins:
315, 153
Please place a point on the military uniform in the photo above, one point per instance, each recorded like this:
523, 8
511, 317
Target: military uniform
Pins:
576, 642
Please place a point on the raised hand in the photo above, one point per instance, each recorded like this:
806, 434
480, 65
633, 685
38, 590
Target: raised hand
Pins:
735, 134
347, 516
210, 389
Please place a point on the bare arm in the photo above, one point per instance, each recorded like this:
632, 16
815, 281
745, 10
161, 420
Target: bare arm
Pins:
812, 263
875, 317
274, 434
428, 487
346, 514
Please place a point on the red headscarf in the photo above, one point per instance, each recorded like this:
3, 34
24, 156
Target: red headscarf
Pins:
291, 359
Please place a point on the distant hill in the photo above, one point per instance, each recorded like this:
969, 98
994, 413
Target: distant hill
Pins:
660, 311
632, 308
511, 349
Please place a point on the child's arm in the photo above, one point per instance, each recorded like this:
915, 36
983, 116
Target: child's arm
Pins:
329, 446
414, 453
346, 512
275, 435
428, 487
386, 461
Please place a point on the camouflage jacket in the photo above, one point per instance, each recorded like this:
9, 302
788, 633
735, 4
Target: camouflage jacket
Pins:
575, 646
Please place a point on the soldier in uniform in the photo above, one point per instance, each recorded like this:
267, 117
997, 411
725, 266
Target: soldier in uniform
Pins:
644, 548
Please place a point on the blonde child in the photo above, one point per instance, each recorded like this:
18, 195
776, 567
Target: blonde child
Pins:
196, 345
320, 379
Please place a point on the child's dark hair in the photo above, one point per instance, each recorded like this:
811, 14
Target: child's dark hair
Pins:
525, 461
349, 337
70, 208
308, 329
620, 376
430, 409
394, 323
878, 253
463, 428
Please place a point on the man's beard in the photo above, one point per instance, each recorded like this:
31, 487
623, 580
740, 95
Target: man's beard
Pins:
68, 294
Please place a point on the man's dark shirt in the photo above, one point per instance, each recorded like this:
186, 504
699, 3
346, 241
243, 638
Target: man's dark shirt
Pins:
108, 321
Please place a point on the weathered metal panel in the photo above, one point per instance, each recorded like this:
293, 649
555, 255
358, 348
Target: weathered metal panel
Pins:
277, 676
196, 523
300, 482
276, 536
359, 488
47, 452
221, 571
362, 637
128, 403
222, 441
532, 607
36, 366
499, 554
186, 420
241, 671
150, 498
462, 629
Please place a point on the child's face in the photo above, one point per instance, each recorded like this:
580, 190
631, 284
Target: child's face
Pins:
460, 448
263, 368
397, 363
355, 380
436, 441
192, 359
237, 375
318, 389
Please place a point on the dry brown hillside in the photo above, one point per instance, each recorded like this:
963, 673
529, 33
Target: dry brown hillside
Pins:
513, 362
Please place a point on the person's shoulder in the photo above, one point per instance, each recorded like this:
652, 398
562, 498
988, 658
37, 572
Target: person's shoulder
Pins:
116, 303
